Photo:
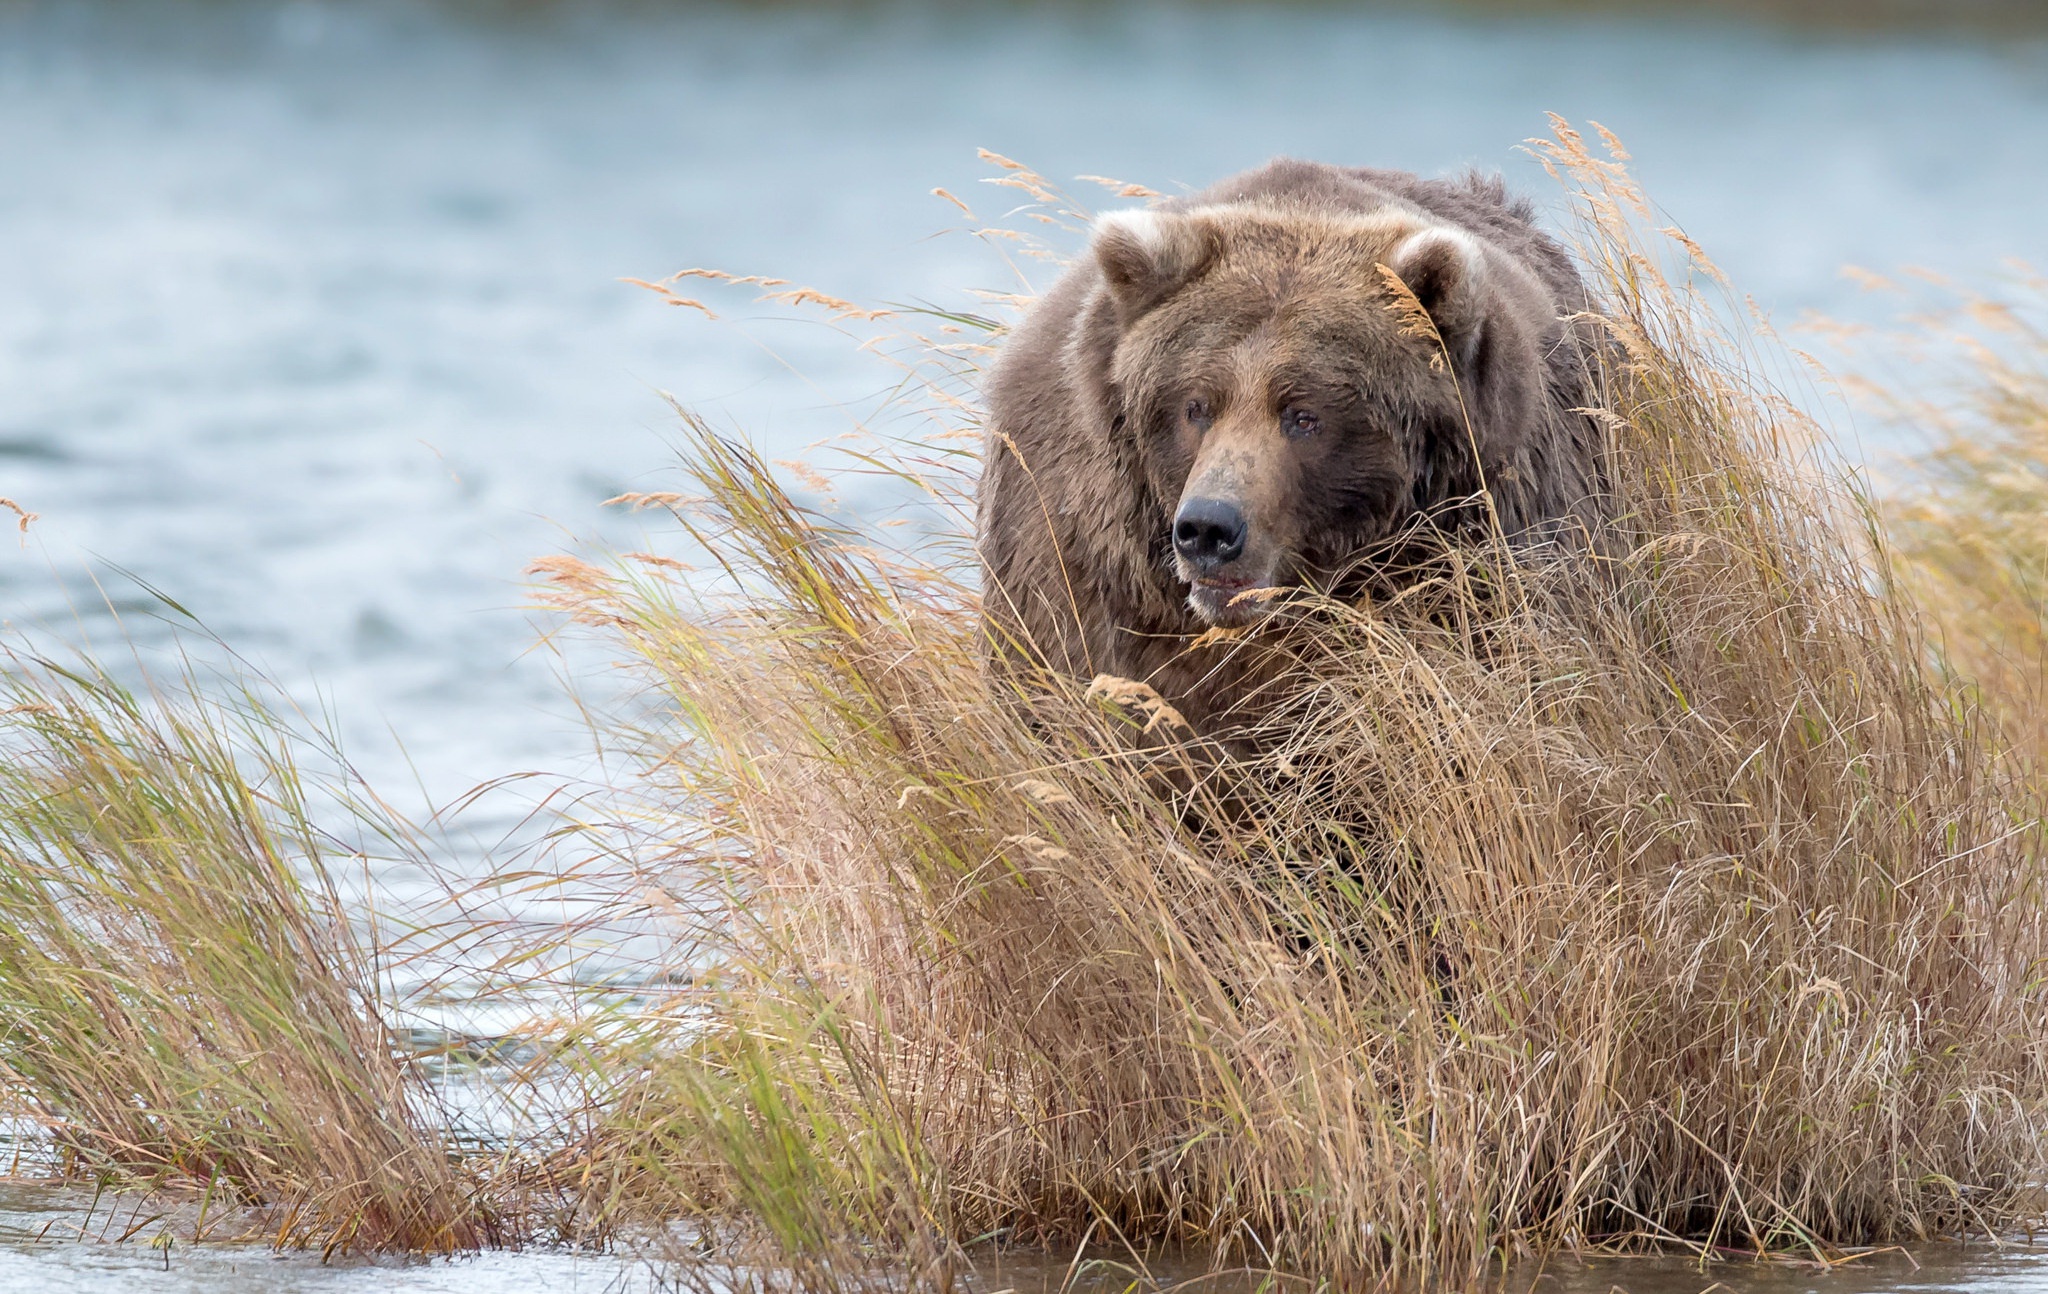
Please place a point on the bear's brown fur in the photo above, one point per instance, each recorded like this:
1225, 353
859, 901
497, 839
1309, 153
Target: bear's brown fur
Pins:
1227, 394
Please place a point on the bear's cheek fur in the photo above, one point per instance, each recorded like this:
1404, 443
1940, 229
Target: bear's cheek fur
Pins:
1349, 507
1170, 451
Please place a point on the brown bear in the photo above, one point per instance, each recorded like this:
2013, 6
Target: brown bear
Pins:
1234, 392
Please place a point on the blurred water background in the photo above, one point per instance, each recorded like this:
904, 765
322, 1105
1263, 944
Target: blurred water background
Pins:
310, 314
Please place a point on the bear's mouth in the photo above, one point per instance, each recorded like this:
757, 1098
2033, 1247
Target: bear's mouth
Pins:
1220, 600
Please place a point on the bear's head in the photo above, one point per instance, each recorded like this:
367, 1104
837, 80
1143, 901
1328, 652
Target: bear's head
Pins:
1303, 386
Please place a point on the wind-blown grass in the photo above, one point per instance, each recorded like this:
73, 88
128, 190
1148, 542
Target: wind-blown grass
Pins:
1663, 895
183, 999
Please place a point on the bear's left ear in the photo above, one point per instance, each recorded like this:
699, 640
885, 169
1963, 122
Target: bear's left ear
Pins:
1146, 255
1446, 270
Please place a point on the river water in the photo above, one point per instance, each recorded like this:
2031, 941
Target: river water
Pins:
61, 1241
311, 320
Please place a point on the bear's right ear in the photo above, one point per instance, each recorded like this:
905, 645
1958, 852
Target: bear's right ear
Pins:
1146, 255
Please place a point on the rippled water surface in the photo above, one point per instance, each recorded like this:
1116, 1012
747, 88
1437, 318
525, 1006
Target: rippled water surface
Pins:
310, 314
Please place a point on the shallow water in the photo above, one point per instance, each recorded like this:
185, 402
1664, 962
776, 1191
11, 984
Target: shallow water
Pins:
310, 314
66, 1240
1973, 1269
53, 1241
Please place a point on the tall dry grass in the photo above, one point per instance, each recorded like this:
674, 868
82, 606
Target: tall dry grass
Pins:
1666, 895
185, 1001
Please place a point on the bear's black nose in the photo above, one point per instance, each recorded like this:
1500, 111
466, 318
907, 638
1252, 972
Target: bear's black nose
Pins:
1209, 533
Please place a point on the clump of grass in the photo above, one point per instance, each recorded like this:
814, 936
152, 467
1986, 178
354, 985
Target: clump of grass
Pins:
183, 999
1664, 895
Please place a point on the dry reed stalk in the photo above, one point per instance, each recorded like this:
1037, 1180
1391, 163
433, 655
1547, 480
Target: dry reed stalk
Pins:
1669, 899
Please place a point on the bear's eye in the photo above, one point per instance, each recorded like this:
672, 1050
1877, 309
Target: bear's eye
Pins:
1197, 412
1297, 422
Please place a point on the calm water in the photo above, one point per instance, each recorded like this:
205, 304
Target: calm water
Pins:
310, 313
64, 1241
